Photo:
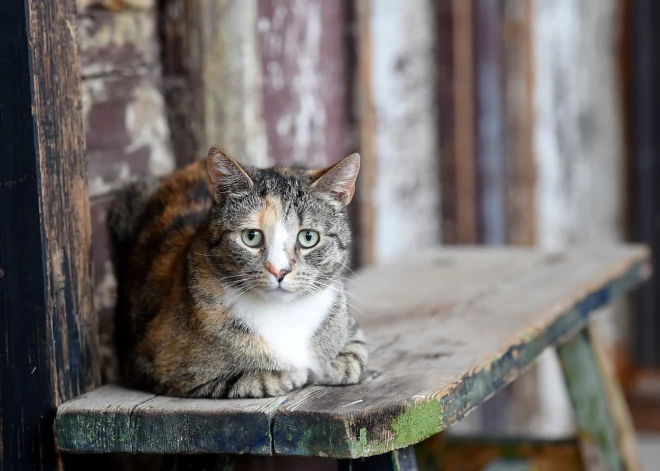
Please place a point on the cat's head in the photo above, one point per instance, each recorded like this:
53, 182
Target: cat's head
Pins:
281, 233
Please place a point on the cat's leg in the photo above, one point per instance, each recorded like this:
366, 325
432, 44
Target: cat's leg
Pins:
267, 384
348, 366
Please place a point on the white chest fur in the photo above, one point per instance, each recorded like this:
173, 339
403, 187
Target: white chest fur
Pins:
287, 326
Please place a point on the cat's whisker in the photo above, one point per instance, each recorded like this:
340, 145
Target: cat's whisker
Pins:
346, 266
350, 294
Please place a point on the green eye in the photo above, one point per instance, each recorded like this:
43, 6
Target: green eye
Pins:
252, 237
308, 238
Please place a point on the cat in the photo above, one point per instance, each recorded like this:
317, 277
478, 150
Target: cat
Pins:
230, 280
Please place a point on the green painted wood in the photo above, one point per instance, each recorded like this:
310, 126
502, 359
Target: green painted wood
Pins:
511, 465
395, 460
597, 432
113, 419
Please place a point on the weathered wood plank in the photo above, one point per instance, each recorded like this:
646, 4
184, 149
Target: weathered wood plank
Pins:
117, 42
399, 90
644, 168
519, 88
48, 339
203, 425
490, 111
430, 369
126, 130
305, 86
117, 420
456, 103
100, 421
596, 427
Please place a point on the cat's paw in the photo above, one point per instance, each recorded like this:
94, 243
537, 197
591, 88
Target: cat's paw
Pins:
345, 369
267, 384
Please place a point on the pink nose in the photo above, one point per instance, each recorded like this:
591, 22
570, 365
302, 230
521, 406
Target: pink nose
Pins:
278, 274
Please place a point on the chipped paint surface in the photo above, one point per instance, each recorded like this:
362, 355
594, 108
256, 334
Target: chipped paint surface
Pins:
304, 83
127, 134
112, 42
403, 96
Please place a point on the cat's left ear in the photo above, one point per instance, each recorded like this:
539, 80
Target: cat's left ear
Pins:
339, 179
226, 176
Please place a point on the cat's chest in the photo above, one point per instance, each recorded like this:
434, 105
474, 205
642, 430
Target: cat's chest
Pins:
287, 327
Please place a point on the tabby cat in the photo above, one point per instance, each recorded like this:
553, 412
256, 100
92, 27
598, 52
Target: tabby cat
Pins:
230, 280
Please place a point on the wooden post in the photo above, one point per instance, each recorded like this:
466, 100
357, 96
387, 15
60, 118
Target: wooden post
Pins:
48, 338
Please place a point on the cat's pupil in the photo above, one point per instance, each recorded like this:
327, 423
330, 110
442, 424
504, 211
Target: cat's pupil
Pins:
308, 236
252, 234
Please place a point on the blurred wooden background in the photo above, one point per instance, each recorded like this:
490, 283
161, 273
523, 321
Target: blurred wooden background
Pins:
479, 122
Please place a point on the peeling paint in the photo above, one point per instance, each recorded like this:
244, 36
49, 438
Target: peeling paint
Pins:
403, 96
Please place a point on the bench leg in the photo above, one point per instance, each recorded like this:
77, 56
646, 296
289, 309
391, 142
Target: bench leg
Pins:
397, 460
594, 407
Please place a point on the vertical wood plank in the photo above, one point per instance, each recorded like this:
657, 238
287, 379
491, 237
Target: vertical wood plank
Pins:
596, 427
578, 152
490, 142
401, 93
48, 338
464, 110
213, 78
303, 57
367, 177
519, 87
645, 169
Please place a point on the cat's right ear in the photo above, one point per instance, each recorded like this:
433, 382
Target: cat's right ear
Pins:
226, 176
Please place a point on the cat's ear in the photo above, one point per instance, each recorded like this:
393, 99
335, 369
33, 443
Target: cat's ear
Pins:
339, 179
226, 176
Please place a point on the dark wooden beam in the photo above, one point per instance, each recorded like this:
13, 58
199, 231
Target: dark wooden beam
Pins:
48, 338
645, 122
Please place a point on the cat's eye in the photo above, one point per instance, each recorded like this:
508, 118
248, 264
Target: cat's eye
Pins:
252, 237
308, 238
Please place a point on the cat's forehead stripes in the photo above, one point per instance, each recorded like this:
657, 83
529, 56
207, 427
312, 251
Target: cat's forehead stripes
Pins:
271, 213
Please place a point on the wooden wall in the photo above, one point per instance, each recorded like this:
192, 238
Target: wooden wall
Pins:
492, 122
124, 118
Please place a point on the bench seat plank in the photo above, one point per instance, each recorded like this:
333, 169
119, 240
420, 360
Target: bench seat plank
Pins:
447, 329
113, 419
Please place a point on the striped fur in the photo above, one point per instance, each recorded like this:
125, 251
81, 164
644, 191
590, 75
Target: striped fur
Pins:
201, 314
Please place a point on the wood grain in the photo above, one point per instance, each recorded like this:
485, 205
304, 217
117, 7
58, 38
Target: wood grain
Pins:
616, 402
595, 423
48, 328
519, 88
446, 332
112, 419
454, 330
399, 98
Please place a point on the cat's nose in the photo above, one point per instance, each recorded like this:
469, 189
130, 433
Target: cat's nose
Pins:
279, 274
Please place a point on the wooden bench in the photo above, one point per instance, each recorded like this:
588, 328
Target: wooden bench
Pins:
447, 329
